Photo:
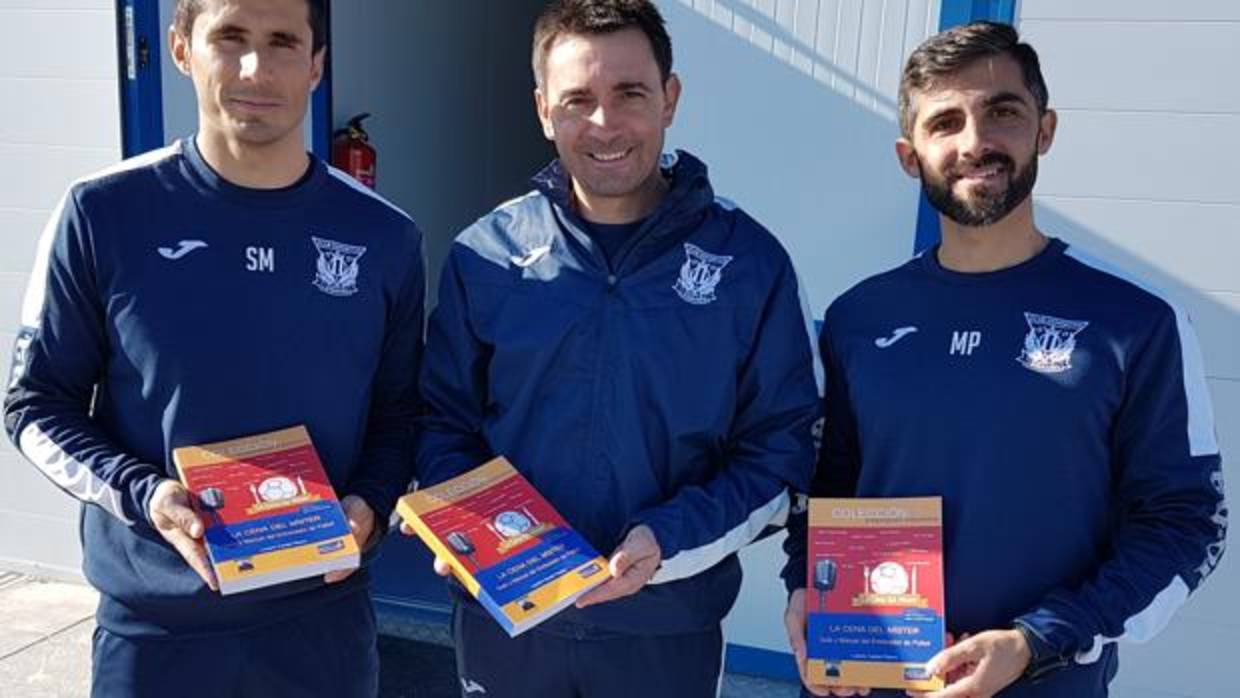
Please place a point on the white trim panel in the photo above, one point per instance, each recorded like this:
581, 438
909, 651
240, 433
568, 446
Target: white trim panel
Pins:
70, 474
1144, 626
1201, 437
687, 563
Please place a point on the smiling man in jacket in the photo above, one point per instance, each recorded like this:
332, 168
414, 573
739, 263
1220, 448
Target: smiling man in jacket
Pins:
637, 348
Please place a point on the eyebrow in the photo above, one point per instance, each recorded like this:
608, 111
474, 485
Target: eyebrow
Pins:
1000, 98
631, 85
227, 29
1004, 98
286, 37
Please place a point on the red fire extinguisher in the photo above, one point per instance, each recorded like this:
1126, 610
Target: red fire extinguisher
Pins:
352, 152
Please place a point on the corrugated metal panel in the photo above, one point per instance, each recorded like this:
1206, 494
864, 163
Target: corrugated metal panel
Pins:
1137, 155
43, 43
1131, 10
20, 237
857, 47
1216, 315
59, 120
1154, 232
1140, 66
12, 288
37, 176
1142, 173
49, 112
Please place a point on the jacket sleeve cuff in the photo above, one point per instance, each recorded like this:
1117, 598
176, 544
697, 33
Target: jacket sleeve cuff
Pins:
140, 492
378, 499
665, 527
1056, 633
793, 573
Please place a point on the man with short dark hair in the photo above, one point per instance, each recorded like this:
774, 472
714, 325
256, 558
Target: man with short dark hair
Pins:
227, 285
1059, 409
637, 349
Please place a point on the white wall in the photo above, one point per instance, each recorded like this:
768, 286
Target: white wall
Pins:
1143, 173
59, 120
792, 106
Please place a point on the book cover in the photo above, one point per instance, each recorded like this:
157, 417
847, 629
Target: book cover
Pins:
506, 544
874, 593
269, 511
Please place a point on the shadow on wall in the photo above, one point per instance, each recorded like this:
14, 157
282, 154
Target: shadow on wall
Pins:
805, 41
801, 144
1209, 316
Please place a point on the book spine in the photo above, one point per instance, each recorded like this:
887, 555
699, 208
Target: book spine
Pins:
440, 549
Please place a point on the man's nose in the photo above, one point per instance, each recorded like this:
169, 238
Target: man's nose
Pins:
253, 64
974, 139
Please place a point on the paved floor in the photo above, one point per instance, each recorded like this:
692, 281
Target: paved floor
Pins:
46, 626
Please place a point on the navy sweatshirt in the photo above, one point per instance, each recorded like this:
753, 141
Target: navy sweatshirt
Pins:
169, 307
1061, 412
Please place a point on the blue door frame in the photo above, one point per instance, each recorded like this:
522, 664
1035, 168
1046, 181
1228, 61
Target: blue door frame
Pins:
142, 106
141, 36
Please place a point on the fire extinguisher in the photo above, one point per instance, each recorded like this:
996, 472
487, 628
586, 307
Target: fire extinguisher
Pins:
352, 152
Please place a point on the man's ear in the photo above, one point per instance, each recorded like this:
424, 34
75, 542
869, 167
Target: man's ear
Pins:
544, 114
908, 158
1046, 130
316, 70
671, 97
179, 49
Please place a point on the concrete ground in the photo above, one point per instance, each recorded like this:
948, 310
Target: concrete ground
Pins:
46, 627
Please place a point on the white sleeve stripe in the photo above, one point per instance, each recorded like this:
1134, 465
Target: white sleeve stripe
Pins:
36, 285
687, 563
353, 183
138, 161
1144, 626
1201, 437
70, 474
808, 316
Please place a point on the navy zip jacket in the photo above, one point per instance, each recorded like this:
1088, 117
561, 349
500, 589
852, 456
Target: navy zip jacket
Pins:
673, 388
169, 307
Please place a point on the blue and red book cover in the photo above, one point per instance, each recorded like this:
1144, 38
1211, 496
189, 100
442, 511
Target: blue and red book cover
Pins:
270, 513
874, 594
505, 543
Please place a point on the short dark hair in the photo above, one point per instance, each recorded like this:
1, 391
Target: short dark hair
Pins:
187, 11
948, 52
592, 17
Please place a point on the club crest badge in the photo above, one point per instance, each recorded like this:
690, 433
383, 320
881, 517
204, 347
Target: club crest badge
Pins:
1050, 342
337, 267
699, 275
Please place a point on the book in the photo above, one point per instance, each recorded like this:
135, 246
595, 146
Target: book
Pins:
269, 511
506, 544
874, 593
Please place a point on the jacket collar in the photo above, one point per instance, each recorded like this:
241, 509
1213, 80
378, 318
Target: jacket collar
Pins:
687, 198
